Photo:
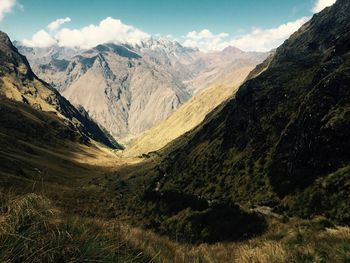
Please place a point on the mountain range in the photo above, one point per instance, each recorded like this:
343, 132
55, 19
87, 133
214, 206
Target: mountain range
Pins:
129, 89
233, 161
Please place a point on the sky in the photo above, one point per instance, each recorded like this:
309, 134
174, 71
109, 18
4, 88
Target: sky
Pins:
252, 25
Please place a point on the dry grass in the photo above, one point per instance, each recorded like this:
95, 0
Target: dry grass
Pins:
296, 241
184, 119
267, 252
32, 230
159, 249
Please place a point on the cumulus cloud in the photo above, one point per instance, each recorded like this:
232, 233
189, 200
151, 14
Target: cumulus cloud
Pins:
109, 30
6, 7
40, 39
267, 39
54, 25
206, 40
321, 4
257, 40
112, 30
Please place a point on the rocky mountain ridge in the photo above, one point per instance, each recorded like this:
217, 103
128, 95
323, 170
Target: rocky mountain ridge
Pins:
129, 89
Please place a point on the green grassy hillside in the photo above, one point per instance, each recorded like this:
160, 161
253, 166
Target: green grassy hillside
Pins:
281, 143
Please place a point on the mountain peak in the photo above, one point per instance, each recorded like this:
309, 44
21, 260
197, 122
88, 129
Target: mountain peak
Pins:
5, 41
165, 44
232, 50
4, 37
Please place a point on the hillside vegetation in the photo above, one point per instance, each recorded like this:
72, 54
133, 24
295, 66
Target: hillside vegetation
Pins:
33, 230
188, 116
282, 142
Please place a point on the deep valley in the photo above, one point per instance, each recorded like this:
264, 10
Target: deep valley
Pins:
158, 152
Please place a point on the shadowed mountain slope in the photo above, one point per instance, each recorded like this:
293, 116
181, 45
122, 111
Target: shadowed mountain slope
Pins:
283, 141
18, 82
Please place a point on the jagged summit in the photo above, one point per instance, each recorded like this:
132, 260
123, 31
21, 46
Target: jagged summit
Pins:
165, 44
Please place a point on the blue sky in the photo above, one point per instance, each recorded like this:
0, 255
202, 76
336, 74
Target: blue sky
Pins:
177, 18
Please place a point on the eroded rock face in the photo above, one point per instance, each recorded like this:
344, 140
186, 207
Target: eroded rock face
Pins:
129, 89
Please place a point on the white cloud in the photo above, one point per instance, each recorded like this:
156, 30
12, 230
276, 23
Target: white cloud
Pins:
40, 39
58, 23
112, 30
206, 40
6, 7
321, 4
109, 30
257, 40
267, 39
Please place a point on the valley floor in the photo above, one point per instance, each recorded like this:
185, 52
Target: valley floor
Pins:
32, 230
79, 221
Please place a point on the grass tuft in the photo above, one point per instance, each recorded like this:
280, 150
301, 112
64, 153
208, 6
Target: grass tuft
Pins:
33, 231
